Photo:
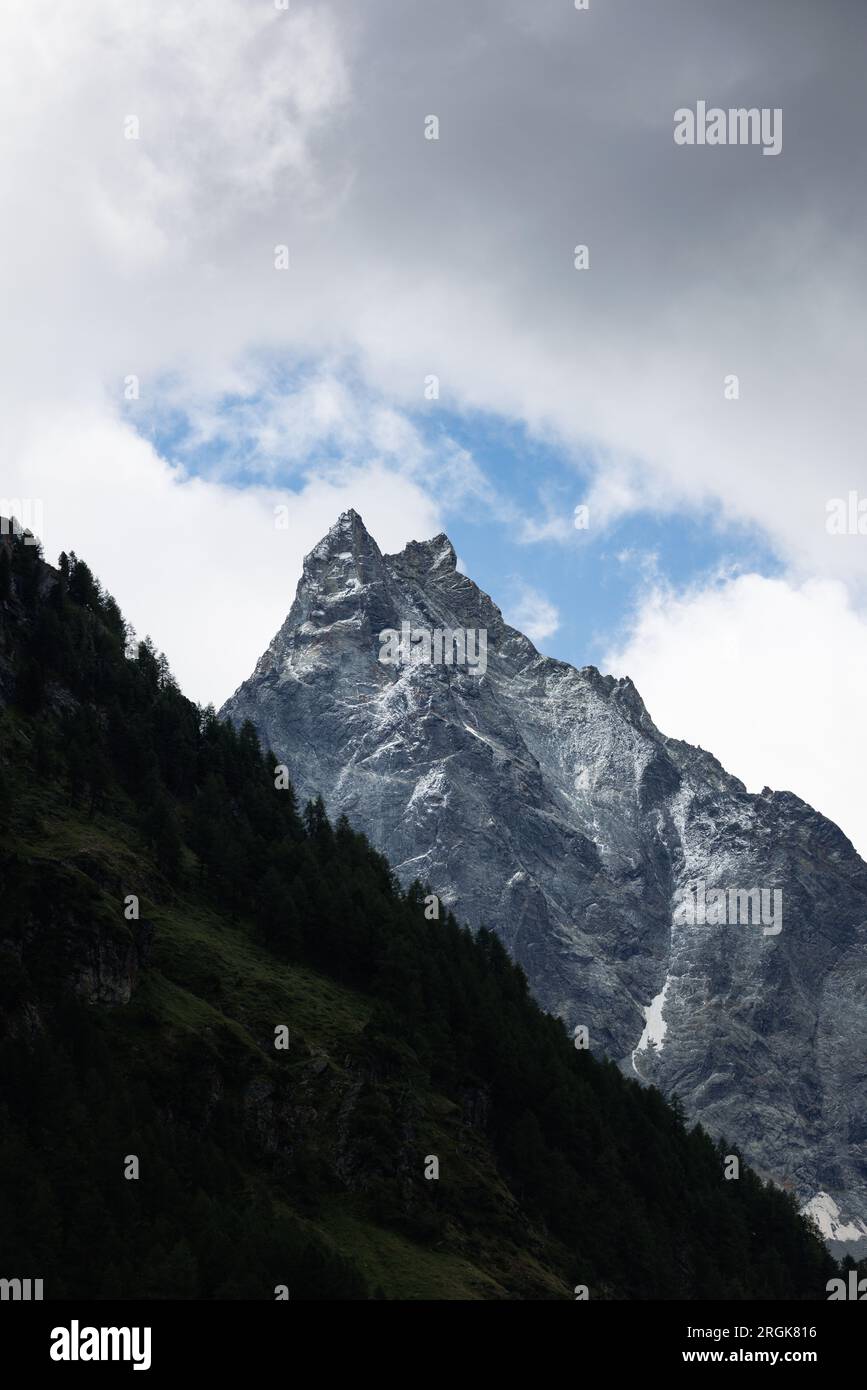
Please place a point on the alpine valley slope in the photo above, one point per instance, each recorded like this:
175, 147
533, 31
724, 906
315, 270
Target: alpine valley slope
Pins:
541, 801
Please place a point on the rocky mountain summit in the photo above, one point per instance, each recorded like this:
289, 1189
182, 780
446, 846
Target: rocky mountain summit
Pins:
711, 941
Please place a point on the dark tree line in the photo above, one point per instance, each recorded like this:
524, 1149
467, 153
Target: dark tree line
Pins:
636, 1199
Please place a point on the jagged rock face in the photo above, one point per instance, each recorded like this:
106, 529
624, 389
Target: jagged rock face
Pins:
541, 801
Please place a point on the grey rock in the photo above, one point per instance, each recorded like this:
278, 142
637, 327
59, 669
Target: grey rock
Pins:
542, 801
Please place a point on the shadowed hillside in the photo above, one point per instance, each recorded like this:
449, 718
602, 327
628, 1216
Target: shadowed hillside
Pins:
199, 974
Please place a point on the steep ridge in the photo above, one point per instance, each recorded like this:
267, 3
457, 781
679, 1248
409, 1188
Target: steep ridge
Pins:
542, 801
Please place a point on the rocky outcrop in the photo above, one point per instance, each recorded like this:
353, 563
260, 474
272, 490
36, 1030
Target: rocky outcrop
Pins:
68, 936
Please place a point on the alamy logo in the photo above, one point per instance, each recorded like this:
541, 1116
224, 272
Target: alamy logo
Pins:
21, 1290
856, 1289
442, 646
75, 1343
846, 516
732, 907
741, 125
22, 516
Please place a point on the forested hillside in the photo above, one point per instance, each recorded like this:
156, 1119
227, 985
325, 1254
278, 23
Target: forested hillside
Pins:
197, 973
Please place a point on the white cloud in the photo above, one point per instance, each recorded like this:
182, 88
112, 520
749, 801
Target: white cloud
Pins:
275, 425
199, 565
533, 614
768, 675
261, 127
410, 258
553, 528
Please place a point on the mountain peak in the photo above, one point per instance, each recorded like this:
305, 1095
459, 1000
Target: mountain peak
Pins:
348, 538
426, 557
543, 800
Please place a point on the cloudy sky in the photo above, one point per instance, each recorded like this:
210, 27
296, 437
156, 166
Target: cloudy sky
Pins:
166, 383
